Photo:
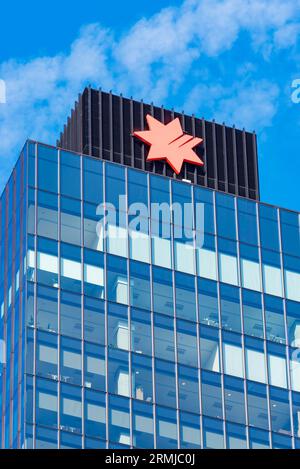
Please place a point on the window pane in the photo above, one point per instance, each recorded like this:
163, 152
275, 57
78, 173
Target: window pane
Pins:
226, 216
47, 168
252, 314
47, 215
209, 348
70, 174
257, 405
162, 291
230, 308
185, 296
117, 284
94, 330
139, 285
70, 220
141, 332
208, 302
93, 180
188, 389
143, 425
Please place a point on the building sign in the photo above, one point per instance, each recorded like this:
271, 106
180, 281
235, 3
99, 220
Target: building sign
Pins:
169, 142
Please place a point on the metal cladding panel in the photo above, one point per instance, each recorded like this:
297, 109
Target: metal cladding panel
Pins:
101, 125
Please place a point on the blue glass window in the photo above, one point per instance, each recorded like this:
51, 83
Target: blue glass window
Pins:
47, 215
70, 174
204, 210
71, 366
210, 349
257, 405
165, 387
211, 394
236, 436
71, 270
247, 221
293, 321
70, 229
115, 186
182, 206
143, 426
187, 343
259, 439
162, 291
47, 262
70, 440
208, 302
137, 187
269, 233
141, 332
93, 180
188, 388
139, 285
46, 403
166, 431
252, 314
118, 372
95, 414
185, 296
189, 431
47, 355
47, 317
117, 283
275, 329
45, 438
213, 433
93, 274
164, 344
280, 410
94, 366
71, 408
290, 228
230, 308
94, 330
119, 420
234, 400
47, 168
118, 332
226, 225
142, 388
70, 315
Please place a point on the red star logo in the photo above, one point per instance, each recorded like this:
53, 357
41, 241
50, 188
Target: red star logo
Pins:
169, 142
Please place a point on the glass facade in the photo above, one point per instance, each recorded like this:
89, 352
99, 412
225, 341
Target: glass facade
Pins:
167, 333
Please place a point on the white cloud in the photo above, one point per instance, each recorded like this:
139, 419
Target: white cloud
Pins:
251, 105
151, 60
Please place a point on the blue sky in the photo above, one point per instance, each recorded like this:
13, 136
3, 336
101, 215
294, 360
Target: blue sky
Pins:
232, 60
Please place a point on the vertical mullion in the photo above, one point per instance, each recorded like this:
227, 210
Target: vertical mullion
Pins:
197, 317
220, 324
174, 313
288, 367
35, 295
129, 318
241, 318
59, 404
106, 309
152, 316
82, 305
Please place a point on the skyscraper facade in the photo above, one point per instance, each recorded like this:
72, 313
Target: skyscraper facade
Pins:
142, 311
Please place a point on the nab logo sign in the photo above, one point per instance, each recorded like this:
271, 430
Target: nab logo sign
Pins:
169, 142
